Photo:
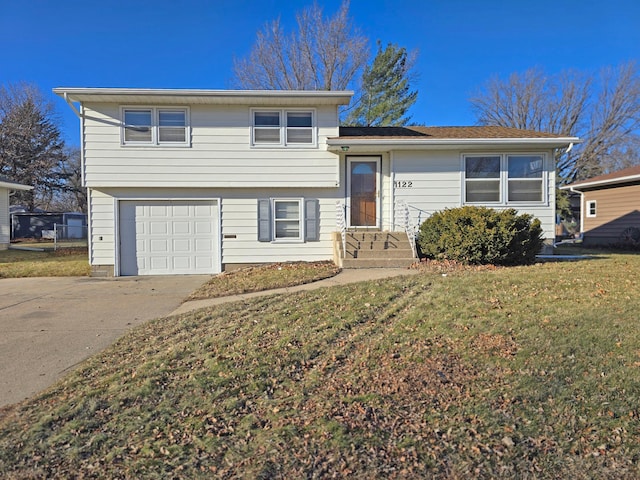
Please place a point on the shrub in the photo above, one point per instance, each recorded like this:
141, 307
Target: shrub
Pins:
479, 236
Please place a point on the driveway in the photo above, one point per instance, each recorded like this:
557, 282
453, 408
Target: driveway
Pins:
49, 325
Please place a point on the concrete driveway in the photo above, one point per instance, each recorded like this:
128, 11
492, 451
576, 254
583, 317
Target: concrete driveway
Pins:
49, 325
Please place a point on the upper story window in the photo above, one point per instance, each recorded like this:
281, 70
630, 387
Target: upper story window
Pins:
283, 128
155, 126
504, 179
266, 128
137, 126
591, 208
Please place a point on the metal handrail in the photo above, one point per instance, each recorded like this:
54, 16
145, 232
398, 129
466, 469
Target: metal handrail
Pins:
402, 219
342, 225
409, 228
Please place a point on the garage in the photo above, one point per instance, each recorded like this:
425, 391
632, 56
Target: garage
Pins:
169, 237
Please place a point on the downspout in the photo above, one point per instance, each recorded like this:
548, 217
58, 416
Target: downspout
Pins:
582, 208
70, 103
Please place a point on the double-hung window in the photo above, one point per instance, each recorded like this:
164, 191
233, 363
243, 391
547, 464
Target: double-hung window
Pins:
288, 220
155, 126
482, 179
504, 178
524, 178
137, 126
283, 128
299, 128
592, 208
266, 128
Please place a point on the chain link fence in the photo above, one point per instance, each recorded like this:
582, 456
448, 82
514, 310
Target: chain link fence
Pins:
67, 236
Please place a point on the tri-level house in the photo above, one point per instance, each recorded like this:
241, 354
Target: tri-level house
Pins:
201, 181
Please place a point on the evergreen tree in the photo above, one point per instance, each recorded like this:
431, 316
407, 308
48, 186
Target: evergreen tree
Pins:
386, 93
31, 150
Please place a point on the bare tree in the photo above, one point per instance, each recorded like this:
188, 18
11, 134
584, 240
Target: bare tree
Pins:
324, 54
71, 196
31, 150
604, 112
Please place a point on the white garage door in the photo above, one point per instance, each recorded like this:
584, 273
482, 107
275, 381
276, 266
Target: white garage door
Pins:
169, 237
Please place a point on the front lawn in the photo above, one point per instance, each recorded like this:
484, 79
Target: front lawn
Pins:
61, 263
265, 277
524, 372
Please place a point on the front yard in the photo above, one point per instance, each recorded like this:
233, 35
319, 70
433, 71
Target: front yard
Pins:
524, 372
61, 263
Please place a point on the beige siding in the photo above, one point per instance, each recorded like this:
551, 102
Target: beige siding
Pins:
239, 222
617, 208
220, 154
5, 224
435, 179
102, 228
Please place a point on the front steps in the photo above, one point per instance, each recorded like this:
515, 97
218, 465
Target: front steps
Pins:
377, 250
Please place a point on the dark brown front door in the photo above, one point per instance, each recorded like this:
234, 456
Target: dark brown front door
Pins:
364, 183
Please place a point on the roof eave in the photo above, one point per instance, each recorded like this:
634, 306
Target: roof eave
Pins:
598, 183
76, 94
338, 143
15, 186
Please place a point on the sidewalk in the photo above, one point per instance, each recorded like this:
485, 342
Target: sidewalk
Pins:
343, 278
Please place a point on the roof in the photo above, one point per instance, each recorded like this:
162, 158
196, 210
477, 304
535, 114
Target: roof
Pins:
412, 137
441, 132
11, 185
199, 96
626, 175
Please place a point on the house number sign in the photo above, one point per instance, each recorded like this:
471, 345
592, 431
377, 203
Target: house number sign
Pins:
403, 184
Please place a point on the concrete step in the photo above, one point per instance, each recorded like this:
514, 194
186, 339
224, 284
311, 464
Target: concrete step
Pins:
377, 250
378, 263
376, 245
379, 253
376, 236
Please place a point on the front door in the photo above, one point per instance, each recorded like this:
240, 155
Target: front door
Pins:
363, 191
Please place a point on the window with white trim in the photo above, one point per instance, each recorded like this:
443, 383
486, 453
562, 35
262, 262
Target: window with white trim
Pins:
591, 208
283, 128
288, 220
155, 126
504, 179
524, 178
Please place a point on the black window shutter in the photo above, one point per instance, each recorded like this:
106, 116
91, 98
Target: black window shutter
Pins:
312, 220
264, 220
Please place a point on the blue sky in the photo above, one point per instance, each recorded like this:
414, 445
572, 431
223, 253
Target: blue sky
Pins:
192, 43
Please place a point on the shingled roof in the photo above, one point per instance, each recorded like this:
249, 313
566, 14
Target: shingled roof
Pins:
631, 174
440, 133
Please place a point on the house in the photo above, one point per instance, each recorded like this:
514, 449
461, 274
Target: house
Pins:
609, 206
6, 187
201, 181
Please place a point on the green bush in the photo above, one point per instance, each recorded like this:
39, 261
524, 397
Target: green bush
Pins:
479, 235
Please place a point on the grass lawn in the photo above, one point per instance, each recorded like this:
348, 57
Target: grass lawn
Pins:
265, 277
61, 263
526, 372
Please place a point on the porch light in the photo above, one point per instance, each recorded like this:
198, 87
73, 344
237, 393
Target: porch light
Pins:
345, 148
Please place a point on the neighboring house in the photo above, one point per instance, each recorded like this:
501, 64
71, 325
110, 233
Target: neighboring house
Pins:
609, 206
200, 181
6, 187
